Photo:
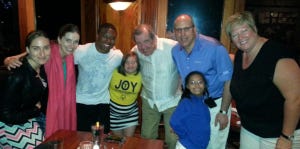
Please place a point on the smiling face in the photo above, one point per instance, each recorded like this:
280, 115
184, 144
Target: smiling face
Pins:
196, 85
185, 32
243, 37
131, 65
145, 44
39, 51
68, 43
106, 39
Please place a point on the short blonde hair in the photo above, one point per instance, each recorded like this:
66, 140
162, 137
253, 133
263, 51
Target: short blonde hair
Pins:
239, 19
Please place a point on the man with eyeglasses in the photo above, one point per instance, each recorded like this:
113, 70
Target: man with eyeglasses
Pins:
205, 54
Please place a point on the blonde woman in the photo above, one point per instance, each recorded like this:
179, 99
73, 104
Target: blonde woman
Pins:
265, 85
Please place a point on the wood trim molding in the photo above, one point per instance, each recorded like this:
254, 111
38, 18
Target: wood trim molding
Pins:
162, 18
82, 20
149, 13
155, 13
89, 20
228, 11
230, 7
26, 19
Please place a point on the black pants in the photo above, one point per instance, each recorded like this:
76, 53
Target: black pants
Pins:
88, 115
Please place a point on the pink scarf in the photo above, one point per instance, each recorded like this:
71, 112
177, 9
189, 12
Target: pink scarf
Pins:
61, 108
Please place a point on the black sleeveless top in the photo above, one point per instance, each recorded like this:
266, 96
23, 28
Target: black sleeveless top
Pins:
259, 102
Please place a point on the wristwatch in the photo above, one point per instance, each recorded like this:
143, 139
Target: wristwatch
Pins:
290, 138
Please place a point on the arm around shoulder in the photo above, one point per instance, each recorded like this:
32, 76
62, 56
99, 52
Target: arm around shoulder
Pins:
14, 61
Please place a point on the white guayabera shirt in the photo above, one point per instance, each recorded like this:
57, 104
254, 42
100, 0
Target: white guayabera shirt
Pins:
160, 76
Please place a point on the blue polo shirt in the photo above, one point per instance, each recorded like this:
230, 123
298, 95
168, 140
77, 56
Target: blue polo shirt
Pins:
209, 57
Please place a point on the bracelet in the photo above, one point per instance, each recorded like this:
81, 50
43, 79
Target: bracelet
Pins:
223, 112
290, 138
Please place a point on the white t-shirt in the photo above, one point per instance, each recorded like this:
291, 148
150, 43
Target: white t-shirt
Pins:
95, 72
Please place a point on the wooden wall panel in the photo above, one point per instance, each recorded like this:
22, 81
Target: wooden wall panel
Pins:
162, 18
94, 12
230, 7
125, 21
149, 13
26, 19
89, 20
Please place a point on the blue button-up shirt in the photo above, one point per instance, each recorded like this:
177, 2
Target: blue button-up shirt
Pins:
209, 57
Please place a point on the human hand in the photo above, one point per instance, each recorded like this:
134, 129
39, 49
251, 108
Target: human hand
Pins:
283, 143
173, 132
12, 62
38, 105
222, 119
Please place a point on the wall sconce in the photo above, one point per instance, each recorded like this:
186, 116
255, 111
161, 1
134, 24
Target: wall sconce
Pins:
119, 4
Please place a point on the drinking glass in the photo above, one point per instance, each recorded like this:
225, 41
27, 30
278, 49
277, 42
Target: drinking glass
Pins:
97, 131
86, 145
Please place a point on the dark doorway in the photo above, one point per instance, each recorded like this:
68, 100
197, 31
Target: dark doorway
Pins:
278, 20
9, 29
52, 14
207, 15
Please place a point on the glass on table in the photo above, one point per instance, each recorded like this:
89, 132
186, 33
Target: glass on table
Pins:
86, 145
55, 144
97, 131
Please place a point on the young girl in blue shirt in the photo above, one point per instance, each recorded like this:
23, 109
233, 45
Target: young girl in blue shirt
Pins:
191, 119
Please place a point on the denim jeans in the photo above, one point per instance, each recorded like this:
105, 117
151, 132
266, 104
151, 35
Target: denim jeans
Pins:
41, 120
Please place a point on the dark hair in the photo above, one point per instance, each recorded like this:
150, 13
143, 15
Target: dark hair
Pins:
121, 68
33, 35
68, 28
186, 92
142, 28
105, 26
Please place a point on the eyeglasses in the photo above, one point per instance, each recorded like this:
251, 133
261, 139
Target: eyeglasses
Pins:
196, 82
184, 29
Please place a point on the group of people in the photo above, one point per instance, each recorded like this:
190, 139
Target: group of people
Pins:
189, 82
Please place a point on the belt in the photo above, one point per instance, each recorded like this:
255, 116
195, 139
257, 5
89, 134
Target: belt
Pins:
216, 98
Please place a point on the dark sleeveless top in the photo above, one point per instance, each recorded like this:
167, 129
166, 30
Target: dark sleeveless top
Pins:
259, 102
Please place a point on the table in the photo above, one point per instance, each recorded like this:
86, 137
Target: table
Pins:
71, 140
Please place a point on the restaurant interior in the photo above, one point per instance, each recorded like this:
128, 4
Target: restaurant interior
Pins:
276, 19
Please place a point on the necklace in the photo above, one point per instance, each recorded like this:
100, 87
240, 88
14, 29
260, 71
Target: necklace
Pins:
37, 70
44, 83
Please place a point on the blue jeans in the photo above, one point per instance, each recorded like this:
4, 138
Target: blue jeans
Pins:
41, 120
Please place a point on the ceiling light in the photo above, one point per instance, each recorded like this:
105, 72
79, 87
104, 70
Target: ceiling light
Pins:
119, 4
